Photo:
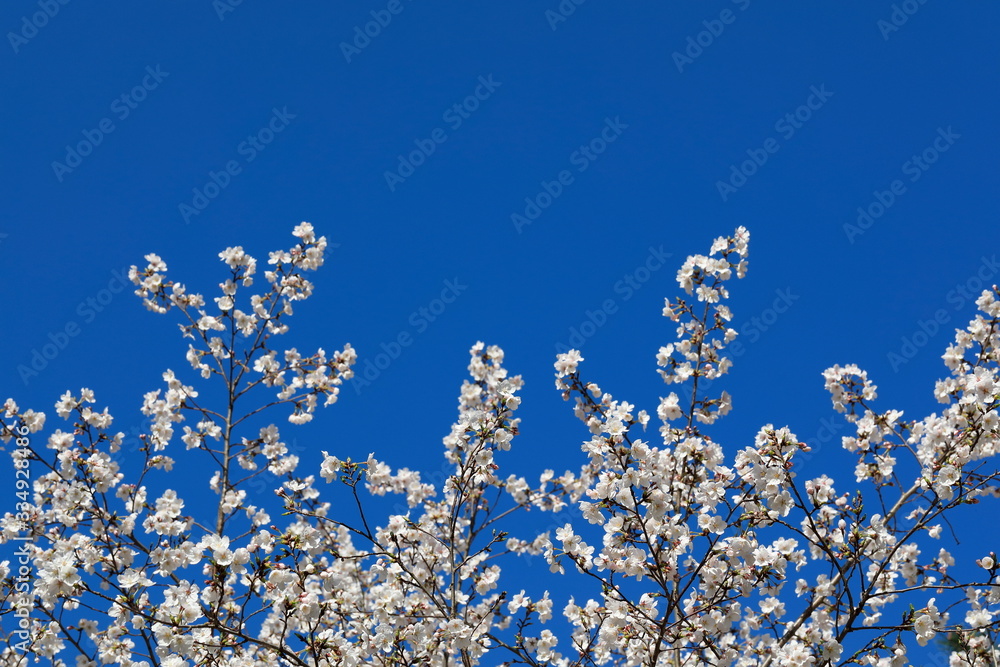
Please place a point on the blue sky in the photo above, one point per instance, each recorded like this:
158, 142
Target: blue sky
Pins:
857, 143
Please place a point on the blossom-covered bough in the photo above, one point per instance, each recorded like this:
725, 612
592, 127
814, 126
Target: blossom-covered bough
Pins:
679, 554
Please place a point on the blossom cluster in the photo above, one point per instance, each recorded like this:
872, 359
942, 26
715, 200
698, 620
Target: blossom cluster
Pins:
681, 553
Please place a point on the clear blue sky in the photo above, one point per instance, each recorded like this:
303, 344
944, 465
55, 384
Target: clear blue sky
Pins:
626, 124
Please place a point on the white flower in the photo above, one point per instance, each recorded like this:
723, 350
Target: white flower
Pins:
924, 628
155, 263
131, 578
566, 363
234, 257
330, 467
305, 232
977, 618
669, 408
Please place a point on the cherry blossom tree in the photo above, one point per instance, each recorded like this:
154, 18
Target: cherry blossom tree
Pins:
678, 554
